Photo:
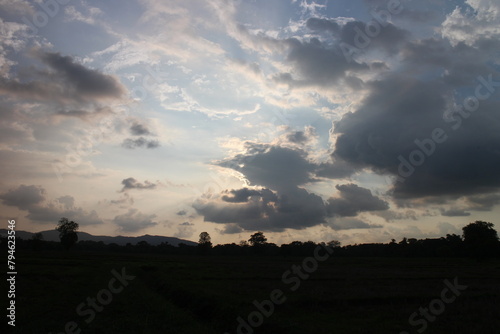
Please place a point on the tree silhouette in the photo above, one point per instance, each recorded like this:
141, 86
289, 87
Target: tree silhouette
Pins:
257, 239
205, 239
480, 238
67, 232
333, 243
205, 243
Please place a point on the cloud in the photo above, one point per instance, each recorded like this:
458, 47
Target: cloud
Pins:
131, 183
478, 22
13, 38
316, 64
64, 81
447, 228
304, 137
231, 229
138, 129
134, 221
125, 201
185, 230
266, 211
67, 201
241, 195
483, 202
277, 202
140, 143
318, 24
32, 199
72, 14
353, 200
351, 224
454, 212
336, 169
402, 111
19, 7
329, 61
24, 197
389, 39
273, 167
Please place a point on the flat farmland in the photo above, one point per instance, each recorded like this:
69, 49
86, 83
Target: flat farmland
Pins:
68, 292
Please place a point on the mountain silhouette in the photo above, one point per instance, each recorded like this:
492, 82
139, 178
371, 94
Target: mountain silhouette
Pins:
154, 240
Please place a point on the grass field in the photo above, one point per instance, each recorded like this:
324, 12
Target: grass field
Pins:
187, 294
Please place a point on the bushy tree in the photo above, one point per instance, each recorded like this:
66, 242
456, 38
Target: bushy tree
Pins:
205, 239
480, 238
257, 239
67, 232
205, 243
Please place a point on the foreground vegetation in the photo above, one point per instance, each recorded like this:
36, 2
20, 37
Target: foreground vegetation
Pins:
443, 285
206, 294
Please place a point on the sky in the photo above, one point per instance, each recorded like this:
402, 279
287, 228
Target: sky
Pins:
360, 121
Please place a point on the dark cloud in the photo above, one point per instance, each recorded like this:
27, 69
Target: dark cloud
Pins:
87, 82
140, 142
354, 200
181, 213
280, 203
301, 137
317, 24
390, 215
317, 64
134, 221
389, 39
333, 61
64, 81
273, 167
484, 202
32, 199
454, 212
295, 209
85, 114
402, 111
460, 64
50, 213
242, 195
131, 183
336, 169
138, 129
231, 229
24, 197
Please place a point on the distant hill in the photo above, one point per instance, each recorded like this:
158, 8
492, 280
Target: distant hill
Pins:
53, 235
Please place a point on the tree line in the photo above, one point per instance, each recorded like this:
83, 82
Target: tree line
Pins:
479, 239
